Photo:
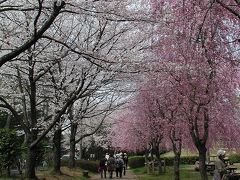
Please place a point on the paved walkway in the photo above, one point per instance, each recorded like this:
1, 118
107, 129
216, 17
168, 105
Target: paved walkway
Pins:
129, 175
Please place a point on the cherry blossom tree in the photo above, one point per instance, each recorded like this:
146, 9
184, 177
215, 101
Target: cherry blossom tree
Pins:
13, 42
89, 116
146, 126
199, 40
95, 38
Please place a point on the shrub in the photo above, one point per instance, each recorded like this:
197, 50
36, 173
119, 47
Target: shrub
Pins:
188, 159
136, 161
88, 165
10, 148
234, 158
84, 164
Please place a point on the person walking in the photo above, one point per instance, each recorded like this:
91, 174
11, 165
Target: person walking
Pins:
103, 167
119, 166
125, 159
111, 165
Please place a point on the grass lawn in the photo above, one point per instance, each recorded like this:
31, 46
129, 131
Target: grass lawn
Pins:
67, 174
184, 153
186, 173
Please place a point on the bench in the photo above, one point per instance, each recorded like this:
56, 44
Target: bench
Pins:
210, 168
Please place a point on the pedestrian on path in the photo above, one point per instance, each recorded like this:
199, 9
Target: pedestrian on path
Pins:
119, 166
125, 159
111, 166
103, 167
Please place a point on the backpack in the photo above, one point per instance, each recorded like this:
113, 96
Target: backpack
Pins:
111, 164
119, 163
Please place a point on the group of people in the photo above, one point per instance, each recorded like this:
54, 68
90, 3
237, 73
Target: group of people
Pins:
111, 163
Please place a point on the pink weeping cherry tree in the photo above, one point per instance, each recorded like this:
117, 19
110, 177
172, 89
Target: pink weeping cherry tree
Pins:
199, 41
126, 134
143, 126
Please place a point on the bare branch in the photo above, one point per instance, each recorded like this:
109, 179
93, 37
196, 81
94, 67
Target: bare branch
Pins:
8, 57
228, 8
14, 112
87, 56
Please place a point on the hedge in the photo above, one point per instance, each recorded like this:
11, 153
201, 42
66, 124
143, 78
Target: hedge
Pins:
234, 158
84, 164
183, 160
138, 161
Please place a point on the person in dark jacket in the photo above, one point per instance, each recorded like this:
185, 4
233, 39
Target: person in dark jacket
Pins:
125, 159
103, 167
119, 166
111, 165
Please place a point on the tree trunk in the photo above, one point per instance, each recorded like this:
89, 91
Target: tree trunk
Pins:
160, 166
80, 150
158, 158
176, 166
208, 156
71, 163
8, 122
177, 149
31, 163
146, 158
202, 159
57, 151
8, 171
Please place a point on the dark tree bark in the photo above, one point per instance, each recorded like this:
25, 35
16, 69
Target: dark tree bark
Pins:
72, 163
32, 134
80, 150
160, 171
8, 171
31, 163
200, 139
156, 151
202, 159
177, 149
31, 157
176, 167
57, 151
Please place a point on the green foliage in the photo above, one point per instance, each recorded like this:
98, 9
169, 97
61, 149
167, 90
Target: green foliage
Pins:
84, 164
10, 147
234, 158
183, 160
136, 161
